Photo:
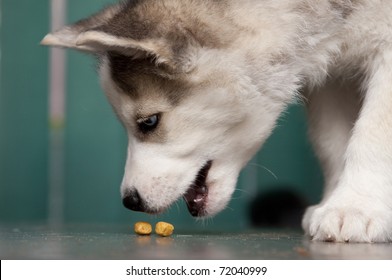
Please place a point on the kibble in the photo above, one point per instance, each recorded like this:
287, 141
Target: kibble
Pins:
143, 228
164, 229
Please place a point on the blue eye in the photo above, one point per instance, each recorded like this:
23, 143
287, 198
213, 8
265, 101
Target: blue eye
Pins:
148, 124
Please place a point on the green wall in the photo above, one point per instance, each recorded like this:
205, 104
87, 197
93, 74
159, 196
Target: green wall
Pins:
94, 141
23, 111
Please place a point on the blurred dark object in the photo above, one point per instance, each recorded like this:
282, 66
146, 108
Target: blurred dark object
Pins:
281, 208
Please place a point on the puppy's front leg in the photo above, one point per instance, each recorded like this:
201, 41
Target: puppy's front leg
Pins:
360, 207
332, 112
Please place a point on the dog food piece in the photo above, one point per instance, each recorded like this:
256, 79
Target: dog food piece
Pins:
164, 229
143, 228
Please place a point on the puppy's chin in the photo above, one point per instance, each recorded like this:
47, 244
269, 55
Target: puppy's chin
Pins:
218, 198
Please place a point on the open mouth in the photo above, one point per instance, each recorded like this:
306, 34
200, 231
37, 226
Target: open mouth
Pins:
196, 196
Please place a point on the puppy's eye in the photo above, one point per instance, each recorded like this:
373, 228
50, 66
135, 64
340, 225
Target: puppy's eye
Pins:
148, 124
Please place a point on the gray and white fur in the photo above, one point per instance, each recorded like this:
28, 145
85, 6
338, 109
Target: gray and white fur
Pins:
199, 85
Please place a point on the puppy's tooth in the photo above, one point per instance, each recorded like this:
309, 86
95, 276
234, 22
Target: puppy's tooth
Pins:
198, 199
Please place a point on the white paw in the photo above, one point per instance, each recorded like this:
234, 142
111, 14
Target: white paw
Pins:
351, 223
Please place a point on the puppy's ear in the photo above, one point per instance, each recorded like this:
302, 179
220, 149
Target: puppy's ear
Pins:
120, 29
68, 36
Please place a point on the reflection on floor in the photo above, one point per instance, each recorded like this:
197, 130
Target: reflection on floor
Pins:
119, 242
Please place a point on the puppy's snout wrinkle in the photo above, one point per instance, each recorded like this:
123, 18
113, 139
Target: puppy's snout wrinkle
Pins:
133, 201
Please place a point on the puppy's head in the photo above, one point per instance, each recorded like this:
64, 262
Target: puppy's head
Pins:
191, 111
189, 135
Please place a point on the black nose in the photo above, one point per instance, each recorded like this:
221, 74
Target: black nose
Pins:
133, 201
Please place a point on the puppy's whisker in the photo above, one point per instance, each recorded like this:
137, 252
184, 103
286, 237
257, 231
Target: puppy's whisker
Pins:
240, 194
177, 206
265, 168
243, 191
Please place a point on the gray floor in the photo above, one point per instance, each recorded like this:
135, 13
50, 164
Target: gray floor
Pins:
119, 242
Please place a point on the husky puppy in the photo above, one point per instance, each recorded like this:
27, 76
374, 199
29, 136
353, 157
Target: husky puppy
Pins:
199, 85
